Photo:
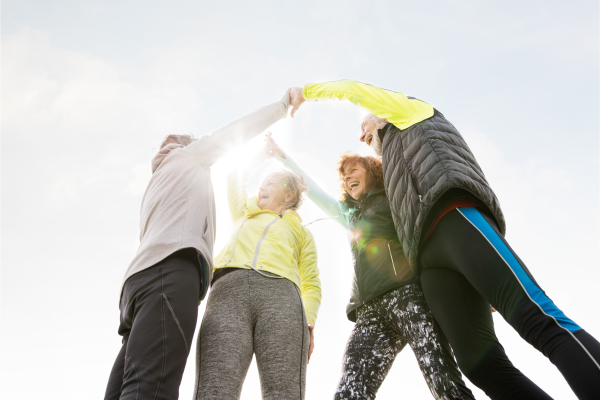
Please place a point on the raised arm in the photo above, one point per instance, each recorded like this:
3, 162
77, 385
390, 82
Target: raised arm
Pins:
237, 195
332, 207
393, 106
208, 149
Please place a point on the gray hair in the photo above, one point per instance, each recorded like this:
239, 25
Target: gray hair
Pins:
179, 139
379, 122
293, 182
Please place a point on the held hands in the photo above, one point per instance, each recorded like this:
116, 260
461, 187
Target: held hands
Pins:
296, 99
271, 147
311, 347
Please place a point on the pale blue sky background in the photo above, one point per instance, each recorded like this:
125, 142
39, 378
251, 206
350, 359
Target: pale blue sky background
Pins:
89, 88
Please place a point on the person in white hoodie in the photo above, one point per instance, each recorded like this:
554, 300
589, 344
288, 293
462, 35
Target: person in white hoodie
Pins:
171, 270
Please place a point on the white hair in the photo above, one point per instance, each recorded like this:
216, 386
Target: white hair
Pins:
379, 122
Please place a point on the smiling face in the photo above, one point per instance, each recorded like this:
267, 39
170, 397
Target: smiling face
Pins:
370, 135
273, 193
368, 129
356, 180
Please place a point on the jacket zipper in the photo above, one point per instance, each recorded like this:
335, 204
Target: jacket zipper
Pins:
257, 251
392, 258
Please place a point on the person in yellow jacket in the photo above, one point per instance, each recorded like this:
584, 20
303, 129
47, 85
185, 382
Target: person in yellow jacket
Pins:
265, 293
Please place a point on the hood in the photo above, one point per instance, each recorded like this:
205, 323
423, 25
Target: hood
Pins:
162, 154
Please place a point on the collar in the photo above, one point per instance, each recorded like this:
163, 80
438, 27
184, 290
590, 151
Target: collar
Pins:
381, 132
253, 209
355, 204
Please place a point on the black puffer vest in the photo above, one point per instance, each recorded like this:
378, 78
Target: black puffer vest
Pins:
420, 165
379, 263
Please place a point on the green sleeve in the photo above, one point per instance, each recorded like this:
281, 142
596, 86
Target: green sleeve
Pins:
393, 106
332, 207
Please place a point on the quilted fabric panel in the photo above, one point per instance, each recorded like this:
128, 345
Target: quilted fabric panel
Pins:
422, 163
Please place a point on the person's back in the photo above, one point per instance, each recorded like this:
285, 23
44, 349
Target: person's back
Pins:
177, 211
170, 271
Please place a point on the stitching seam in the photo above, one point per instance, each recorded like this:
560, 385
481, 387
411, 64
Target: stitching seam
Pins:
137, 389
162, 315
176, 320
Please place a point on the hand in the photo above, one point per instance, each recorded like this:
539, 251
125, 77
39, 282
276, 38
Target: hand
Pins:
493, 309
296, 99
271, 147
311, 347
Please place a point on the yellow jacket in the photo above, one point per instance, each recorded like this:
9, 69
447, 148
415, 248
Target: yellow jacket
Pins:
270, 242
393, 106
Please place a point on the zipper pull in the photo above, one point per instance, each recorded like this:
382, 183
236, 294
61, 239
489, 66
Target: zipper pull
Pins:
392, 258
420, 198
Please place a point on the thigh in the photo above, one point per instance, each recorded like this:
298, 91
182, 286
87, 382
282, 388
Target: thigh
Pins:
281, 337
462, 313
467, 242
407, 310
370, 353
225, 347
480, 252
162, 313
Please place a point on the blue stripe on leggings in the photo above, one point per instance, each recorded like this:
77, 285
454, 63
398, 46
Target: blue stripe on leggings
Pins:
534, 292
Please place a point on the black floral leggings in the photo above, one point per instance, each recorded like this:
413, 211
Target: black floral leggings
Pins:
384, 326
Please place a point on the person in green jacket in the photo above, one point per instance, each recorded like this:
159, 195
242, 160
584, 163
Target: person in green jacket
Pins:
265, 293
387, 303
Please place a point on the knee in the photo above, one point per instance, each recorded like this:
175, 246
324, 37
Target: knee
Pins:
484, 364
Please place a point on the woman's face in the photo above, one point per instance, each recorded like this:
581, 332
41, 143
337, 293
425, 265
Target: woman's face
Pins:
273, 193
356, 180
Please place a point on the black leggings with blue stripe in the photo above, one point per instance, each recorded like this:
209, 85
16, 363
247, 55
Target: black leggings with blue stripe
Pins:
466, 265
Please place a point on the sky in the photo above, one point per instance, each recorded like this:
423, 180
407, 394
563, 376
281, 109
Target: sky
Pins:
89, 89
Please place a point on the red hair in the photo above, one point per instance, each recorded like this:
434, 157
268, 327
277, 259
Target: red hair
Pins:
373, 166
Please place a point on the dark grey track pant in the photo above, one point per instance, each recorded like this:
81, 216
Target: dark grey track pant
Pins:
159, 308
247, 314
385, 325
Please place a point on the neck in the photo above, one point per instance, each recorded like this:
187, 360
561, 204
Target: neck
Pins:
279, 210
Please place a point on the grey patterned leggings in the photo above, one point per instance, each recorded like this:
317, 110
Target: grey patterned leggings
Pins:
384, 326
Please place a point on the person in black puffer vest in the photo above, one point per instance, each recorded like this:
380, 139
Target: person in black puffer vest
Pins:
452, 229
386, 300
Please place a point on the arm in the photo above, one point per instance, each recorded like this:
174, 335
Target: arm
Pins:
393, 106
208, 149
310, 284
236, 185
332, 207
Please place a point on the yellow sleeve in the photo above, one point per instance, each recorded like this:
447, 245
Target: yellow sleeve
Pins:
237, 194
310, 284
393, 106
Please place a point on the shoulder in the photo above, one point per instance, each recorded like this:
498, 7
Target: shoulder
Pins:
308, 237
